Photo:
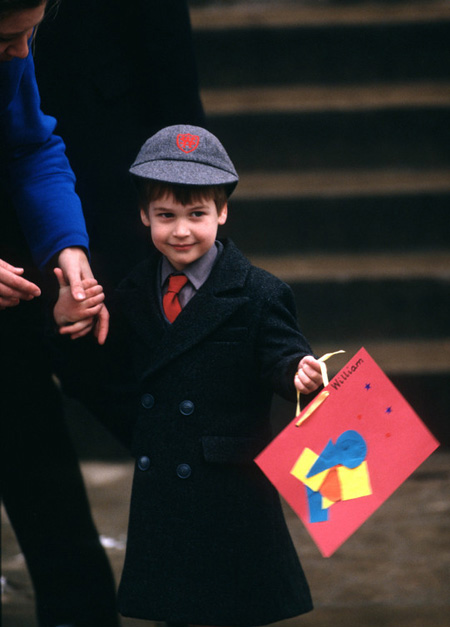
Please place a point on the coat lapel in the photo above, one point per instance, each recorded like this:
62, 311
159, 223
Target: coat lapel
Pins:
216, 301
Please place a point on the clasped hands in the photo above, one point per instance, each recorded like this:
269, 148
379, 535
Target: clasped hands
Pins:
77, 317
80, 306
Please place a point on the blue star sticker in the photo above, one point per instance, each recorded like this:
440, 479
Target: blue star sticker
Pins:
388, 410
368, 386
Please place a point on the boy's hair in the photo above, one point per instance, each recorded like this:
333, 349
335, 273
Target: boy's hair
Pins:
150, 190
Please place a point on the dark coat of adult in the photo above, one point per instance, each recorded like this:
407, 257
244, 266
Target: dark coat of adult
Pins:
42, 487
207, 541
113, 73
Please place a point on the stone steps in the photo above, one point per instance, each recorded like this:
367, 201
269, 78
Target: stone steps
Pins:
418, 357
416, 138
330, 215
281, 14
276, 44
337, 116
379, 309
346, 267
319, 98
342, 182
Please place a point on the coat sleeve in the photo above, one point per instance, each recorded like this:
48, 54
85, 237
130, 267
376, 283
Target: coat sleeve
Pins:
280, 341
39, 177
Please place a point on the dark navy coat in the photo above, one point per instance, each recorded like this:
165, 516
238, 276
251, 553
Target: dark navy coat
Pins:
207, 541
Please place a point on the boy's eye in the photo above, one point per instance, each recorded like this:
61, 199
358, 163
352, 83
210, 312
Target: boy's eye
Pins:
197, 214
166, 215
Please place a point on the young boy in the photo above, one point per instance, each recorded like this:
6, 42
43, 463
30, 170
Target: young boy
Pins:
191, 375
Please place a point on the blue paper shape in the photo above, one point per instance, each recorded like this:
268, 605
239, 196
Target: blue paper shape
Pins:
316, 513
350, 451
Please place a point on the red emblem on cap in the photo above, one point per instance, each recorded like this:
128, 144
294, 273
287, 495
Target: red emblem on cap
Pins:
187, 142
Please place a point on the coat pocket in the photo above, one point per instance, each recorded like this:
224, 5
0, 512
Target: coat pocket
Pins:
231, 450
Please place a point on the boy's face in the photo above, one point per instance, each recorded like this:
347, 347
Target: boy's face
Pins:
183, 233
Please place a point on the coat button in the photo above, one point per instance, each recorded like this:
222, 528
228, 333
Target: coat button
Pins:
184, 471
143, 462
147, 401
186, 408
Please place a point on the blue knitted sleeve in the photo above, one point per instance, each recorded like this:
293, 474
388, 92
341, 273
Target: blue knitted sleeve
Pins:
39, 176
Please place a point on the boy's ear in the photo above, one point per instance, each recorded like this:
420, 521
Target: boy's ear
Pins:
223, 215
144, 217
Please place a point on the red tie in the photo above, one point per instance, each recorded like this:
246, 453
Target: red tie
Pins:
171, 304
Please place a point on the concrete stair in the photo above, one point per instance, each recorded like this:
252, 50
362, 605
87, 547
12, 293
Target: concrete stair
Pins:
337, 117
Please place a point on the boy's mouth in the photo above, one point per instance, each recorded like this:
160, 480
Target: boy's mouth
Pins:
181, 247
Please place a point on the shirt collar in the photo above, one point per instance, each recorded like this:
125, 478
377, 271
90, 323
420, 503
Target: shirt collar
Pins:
198, 271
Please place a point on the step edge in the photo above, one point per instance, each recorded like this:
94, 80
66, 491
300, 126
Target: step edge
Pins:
309, 98
306, 268
396, 357
339, 183
249, 16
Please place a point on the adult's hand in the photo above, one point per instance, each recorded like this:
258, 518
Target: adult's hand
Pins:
13, 287
74, 263
75, 267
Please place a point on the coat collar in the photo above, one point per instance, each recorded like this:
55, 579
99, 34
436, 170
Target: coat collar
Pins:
219, 297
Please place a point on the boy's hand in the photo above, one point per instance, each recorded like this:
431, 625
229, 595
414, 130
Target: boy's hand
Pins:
75, 266
309, 375
77, 318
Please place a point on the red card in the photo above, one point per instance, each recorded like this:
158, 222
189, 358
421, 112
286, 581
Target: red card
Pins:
359, 445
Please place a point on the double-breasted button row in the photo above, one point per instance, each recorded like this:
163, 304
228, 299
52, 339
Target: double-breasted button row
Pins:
147, 401
183, 471
143, 462
185, 407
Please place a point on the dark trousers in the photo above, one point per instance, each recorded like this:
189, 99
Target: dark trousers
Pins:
42, 487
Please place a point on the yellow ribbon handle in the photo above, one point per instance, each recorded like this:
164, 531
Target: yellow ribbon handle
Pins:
323, 394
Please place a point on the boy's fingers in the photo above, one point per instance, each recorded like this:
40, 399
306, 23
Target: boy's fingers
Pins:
61, 278
310, 361
87, 284
90, 302
96, 318
91, 284
307, 378
94, 293
76, 336
311, 368
93, 311
312, 373
102, 325
77, 327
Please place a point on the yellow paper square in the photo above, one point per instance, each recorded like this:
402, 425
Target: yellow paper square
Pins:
355, 482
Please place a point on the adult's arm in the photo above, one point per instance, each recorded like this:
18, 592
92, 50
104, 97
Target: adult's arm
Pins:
40, 179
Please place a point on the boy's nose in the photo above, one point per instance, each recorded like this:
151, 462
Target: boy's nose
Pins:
181, 228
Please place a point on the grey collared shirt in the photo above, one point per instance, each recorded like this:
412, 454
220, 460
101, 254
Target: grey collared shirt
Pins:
197, 272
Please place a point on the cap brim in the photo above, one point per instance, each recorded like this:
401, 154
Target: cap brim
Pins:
183, 173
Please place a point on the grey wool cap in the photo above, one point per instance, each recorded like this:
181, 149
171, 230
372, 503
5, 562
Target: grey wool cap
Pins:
185, 155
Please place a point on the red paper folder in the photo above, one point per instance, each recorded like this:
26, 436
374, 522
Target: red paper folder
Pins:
359, 445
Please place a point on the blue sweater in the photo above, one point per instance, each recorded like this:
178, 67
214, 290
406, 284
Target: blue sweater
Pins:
38, 174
